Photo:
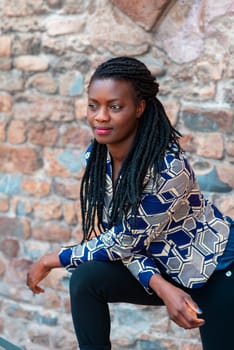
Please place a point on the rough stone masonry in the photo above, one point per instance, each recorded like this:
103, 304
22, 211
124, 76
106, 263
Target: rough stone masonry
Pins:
48, 50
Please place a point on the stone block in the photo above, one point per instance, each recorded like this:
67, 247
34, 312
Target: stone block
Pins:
76, 135
4, 203
41, 107
36, 187
225, 173
210, 145
23, 8
71, 83
48, 209
5, 63
229, 147
208, 120
64, 163
28, 41
2, 268
80, 109
10, 184
51, 232
43, 133
17, 270
2, 131
55, 3
6, 102
10, 247
67, 189
31, 63
43, 83
172, 110
61, 25
226, 204
16, 132
5, 46
22, 207
11, 81
25, 160
210, 182
145, 13
69, 213
10, 227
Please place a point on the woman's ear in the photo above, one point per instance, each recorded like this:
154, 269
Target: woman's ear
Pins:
140, 108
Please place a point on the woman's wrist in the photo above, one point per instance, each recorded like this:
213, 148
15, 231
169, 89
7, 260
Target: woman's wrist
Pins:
51, 260
158, 284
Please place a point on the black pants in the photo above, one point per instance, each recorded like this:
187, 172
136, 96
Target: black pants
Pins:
94, 284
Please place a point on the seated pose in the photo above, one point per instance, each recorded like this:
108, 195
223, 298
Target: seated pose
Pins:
149, 235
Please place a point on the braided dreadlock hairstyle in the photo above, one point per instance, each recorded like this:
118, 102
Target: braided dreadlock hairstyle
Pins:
155, 134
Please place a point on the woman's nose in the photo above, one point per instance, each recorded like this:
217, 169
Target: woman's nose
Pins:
102, 115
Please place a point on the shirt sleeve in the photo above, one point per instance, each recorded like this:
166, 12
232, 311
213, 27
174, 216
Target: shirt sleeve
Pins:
129, 241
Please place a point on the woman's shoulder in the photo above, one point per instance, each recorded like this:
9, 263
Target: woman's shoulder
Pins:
174, 156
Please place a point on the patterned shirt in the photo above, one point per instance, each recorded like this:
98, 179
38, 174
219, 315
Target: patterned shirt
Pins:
177, 231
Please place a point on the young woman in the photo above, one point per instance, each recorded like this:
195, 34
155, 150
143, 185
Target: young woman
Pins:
150, 237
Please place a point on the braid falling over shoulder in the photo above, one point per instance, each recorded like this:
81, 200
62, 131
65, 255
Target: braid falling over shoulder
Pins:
154, 136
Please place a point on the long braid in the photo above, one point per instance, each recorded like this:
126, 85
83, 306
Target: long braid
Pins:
154, 136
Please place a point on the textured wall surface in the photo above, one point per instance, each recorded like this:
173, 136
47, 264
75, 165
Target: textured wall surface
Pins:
48, 49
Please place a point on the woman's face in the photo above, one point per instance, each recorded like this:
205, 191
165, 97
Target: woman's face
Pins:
113, 112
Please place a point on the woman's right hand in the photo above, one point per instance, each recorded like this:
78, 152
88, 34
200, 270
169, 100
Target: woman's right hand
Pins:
180, 306
40, 269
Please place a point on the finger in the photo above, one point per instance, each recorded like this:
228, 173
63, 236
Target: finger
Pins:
192, 319
187, 322
37, 290
193, 306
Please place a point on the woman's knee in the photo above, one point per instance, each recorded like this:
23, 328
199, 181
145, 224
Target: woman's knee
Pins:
85, 277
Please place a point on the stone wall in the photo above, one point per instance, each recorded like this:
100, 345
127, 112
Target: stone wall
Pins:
48, 49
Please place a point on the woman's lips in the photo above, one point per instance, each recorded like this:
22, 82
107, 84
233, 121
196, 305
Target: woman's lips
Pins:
103, 131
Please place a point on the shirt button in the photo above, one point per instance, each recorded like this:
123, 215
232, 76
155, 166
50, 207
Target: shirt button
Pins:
228, 273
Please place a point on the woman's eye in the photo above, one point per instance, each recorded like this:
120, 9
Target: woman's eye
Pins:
92, 105
115, 107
